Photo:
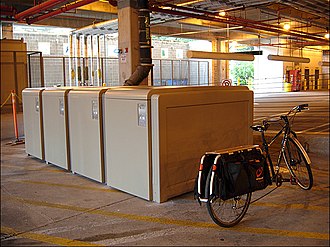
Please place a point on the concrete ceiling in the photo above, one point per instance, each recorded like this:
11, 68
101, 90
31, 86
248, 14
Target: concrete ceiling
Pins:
248, 21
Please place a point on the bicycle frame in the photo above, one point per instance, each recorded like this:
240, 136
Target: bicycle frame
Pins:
286, 132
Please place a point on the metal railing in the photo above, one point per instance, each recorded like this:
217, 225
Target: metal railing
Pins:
280, 84
180, 72
65, 71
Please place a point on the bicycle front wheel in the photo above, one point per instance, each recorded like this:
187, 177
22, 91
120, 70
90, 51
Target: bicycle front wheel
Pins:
225, 213
298, 163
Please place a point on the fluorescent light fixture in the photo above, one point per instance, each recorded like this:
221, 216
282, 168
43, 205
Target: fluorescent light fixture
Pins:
220, 55
289, 59
327, 35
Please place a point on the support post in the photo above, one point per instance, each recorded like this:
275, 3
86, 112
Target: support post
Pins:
14, 102
128, 38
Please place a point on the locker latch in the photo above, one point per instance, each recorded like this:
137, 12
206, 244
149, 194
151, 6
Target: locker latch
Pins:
95, 114
61, 106
142, 115
37, 104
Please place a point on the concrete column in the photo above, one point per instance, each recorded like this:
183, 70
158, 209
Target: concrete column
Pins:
220, 68
224, 64
128, 38
7, 30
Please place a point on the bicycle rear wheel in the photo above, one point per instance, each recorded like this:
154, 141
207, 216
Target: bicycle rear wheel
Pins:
298, 163
225, 213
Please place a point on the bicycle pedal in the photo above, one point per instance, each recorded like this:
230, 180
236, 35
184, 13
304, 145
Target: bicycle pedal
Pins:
293, 180
278, 180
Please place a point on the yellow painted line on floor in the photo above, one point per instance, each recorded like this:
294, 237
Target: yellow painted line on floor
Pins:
45, 238
292, 206
52, 170
263, 204
8, 231
47, 169
297, 187
68, 186
167, 221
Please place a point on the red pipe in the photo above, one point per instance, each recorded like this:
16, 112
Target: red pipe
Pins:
38, 8
60, 10
232, 20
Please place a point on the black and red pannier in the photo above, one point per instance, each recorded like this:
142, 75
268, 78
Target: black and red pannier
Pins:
235, 172
205, 166
242, 172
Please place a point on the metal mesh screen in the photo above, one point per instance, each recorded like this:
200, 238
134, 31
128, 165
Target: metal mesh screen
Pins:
34, 70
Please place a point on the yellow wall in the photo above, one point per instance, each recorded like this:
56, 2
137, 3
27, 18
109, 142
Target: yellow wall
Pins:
9, 79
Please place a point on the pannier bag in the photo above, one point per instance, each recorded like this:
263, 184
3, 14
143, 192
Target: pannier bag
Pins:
234, 172
205, 166
240, 172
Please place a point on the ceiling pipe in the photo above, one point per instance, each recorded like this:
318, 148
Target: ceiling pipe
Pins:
142, 70
38, 8
97, 26
293, 44
60, 10
305, 5
189, 12
257, 24
204, 31
220, 55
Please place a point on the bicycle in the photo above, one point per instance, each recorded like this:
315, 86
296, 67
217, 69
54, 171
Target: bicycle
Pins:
228, 213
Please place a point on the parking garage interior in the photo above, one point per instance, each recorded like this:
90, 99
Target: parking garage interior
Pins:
107, 107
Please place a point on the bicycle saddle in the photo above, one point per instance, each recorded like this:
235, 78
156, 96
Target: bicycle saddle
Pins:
260, 128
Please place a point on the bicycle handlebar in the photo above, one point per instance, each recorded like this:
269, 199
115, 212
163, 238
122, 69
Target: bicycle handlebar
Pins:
265, 122
300, 108
297, 108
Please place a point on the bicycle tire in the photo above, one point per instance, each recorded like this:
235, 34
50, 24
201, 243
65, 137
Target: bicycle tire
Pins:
225, 213
298, 163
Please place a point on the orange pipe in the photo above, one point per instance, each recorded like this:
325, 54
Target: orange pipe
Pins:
61, 10
38, 8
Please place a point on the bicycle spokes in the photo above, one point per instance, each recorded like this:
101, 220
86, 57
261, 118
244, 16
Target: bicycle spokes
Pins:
297, 164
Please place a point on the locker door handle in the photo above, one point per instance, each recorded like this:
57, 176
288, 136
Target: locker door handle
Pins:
37, 104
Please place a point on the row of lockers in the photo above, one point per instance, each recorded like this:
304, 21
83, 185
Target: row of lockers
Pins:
146, 141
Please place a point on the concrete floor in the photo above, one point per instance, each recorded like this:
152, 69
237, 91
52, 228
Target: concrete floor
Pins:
44, 205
